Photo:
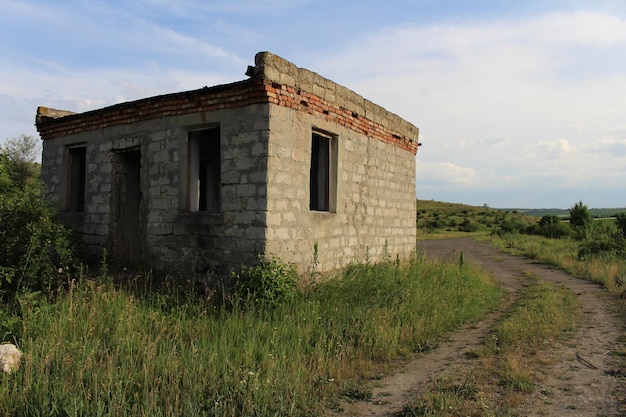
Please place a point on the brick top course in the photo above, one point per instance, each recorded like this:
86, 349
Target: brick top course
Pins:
273, 80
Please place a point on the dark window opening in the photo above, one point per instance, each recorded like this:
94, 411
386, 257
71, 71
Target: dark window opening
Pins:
76, 183
205, 170
322, 181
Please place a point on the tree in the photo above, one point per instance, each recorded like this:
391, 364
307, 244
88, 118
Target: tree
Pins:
5, 181
18, 160
549, 219
579, 218
36, 252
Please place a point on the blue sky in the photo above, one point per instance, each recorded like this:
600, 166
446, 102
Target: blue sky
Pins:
519, 103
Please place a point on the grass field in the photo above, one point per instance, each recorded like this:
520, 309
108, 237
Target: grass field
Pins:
99, 349
105, 350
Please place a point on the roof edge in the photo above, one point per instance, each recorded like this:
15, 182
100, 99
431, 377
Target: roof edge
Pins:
276, 69
48, 113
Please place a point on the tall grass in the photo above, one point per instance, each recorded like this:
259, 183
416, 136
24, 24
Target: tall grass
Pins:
102, 351
606, 269
508, 361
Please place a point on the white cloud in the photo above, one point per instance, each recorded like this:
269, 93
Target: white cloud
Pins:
586, 28
444, 172
617, 132
550, 150
509, 100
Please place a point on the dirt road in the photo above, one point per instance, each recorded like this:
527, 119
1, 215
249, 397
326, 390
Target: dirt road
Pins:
580, 377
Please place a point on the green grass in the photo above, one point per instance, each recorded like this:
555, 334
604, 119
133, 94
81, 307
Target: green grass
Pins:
437, 219
104, 351
507, 363
608, 269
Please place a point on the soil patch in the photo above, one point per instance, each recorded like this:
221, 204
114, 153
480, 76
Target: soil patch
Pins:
582, 376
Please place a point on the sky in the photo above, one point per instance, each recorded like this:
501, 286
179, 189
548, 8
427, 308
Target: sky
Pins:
520, 104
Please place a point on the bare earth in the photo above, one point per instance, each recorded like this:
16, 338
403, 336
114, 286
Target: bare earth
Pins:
580, 377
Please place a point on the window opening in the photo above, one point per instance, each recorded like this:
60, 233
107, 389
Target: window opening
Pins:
322, 186
204, 170
77, 169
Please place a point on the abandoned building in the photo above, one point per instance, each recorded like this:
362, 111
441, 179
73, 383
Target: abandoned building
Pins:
284, 163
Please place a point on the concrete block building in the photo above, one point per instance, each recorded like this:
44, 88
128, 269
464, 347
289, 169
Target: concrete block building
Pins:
284, 163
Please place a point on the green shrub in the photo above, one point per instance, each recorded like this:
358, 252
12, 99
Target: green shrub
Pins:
511, 225
549, 219
36, 252
602, 240
468, 226
621, 223
269, 283
550, 226
556, 231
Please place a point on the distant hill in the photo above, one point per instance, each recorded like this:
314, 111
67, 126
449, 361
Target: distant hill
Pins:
595, 212
437, 218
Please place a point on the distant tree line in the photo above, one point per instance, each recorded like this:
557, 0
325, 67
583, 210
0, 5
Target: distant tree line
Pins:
595, 237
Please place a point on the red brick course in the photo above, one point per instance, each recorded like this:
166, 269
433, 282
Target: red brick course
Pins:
239, 94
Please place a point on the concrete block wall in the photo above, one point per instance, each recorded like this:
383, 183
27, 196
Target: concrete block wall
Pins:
92, 224
266, 124
375, 211
172, 237
235, 236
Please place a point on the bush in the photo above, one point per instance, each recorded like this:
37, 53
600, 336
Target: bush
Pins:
35, 250
468, 226
550, 226
602, 241
549, 219
512, 225
555, 231
621, 223
268, 284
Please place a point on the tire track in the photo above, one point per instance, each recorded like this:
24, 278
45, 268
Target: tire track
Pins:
581, 377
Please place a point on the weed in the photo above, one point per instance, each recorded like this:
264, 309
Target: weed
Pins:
355, 391
267, 284
448, 397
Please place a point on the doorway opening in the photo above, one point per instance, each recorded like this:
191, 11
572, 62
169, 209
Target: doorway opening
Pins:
126, 242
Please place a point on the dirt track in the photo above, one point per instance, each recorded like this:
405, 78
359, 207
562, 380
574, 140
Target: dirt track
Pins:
580, 377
